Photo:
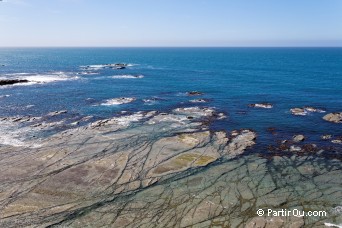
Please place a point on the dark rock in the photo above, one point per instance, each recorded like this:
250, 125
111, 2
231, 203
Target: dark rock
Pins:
284, 147
194, 93
12, 81
310, 148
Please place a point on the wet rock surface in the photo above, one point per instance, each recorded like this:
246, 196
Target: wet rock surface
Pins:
305, 110
298, 138
261, 105
153, 169
334, 117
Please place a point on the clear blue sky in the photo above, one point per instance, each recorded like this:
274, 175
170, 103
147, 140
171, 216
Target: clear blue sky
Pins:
171, 23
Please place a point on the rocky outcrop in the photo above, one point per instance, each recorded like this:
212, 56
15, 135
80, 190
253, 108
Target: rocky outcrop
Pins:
298, 138
298, 111
261, 105
12, 81
304, 111
153, 169
77, 168
334, 117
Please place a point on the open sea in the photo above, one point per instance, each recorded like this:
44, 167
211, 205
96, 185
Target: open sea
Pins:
75, 79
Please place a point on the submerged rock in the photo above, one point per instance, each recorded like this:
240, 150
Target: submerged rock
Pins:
56, 113
326, 137
194, 93
298, 138
12, 81
261, 105
334, 117
199, 101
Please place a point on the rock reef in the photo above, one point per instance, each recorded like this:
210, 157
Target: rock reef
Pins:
261, 105
158, 169
12, 81
334, 117
305, 110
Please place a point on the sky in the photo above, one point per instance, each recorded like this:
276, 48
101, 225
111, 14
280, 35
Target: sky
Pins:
170, 23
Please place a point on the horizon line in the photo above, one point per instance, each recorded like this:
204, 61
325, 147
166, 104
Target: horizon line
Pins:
171, 46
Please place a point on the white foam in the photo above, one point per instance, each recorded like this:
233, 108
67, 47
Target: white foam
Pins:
126, 120
87, 73
118, 101
4, 96
332, 225
198, 101
12, 135
126, 76
102, 66
94, 67
18, 74
39, 78
131, 64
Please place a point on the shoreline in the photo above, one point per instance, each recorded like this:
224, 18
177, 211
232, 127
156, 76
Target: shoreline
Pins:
73, 174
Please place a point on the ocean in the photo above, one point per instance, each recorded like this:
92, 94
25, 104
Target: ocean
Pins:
159, 78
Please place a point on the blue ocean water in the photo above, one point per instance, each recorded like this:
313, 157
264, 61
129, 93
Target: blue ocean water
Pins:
230, 78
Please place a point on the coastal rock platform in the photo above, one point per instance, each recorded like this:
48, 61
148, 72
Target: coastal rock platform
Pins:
152, 169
